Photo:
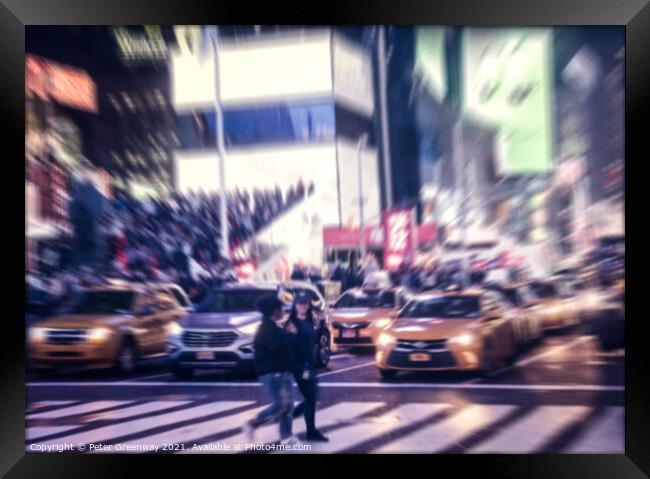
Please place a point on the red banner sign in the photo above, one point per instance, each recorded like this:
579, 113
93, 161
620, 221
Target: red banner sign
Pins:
348, 238
399, 237
53, 81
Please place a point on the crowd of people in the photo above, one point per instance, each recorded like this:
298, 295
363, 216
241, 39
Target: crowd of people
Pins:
413, 276
175, 239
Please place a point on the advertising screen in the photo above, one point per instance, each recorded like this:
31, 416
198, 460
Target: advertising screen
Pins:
193, 82
430, 60
399, 237
507, 85
264, 70
352, 77
69, 86
289, 69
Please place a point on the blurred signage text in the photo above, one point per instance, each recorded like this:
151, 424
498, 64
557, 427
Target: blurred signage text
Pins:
51, 81
146, 46
399, 237
348, 238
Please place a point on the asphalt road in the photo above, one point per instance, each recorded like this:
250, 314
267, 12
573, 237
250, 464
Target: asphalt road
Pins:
562, 395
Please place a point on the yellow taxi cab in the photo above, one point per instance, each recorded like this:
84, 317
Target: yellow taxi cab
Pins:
108, 326
452, 330
360, 314
553, 303
527, 322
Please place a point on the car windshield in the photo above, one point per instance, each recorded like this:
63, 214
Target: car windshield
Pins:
543, 290
383, 300
103, 302
235, 301
443, 307
511, 295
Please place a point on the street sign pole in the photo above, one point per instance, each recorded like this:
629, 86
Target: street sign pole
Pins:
223, 209
363, 139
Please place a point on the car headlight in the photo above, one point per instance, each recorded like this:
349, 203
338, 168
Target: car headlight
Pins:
98, 334
382, 323
36, 334
249, 329
385, 339
464, 339
174, 329
593, 299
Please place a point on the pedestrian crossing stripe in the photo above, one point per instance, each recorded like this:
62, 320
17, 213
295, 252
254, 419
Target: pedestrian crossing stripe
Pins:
37, 406
438, 436
78, 409
603, 429
105, 434
404, 415
338, 413
365, 426
547, 421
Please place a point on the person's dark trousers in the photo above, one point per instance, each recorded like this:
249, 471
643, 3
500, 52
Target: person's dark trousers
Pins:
309, 390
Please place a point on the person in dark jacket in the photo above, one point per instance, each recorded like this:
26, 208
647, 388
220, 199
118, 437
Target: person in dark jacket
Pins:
298, 274
274, 363
304, 372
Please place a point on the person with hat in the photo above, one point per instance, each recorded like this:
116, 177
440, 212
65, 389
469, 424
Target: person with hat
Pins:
304, 372
274, 363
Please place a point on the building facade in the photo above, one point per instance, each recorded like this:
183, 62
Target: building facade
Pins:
296, 103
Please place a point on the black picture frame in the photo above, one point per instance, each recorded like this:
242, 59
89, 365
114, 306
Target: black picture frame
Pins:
633, 14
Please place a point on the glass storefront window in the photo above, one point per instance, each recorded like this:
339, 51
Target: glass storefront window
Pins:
279, 123
304, 122
196, 130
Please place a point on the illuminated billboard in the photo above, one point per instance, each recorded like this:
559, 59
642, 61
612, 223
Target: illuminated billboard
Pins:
430, 60
192, 81
52, 81
507, 85
147, 45
400, 240
254, 71
278, 68
352, 77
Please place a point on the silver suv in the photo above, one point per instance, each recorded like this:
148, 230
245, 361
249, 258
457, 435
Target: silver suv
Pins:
219, 333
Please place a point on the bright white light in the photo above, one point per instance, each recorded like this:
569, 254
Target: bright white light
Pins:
197, 172
250, 329
385, 339
175, 329
273, 69
463, 340
382, 323
36, 334
192, 80
98, 334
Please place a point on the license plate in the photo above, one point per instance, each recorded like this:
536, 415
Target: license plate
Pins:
419, 357
205, 355
348, 333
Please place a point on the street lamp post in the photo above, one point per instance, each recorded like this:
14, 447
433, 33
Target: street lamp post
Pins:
460, 184
223, 210
363, 140
383, 110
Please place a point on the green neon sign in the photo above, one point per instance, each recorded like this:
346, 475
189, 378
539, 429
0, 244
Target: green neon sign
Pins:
507, 86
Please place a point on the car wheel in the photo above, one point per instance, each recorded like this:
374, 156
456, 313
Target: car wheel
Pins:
487, 359
182, 373
540, 332
510, 359
323, 351
388, 373
43, 373
126, 357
